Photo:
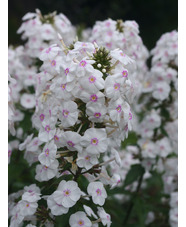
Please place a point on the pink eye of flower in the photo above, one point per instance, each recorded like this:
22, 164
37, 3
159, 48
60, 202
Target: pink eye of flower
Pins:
56, 138
109, 33
45, 167
67, 193
84, 45
125, 73
66, 71
87, 158
83, 63
130, 116
80, 222
47, 152
48, 50
70, 144
27, 205
108, 217
122, 54
117, 86
63, 86
162, 147
92, 79
42, 117
97, 115
98, 191
47, 128
9, 153
94, 141
93, 98
109, 45
65, 113
53, 63
160, 89
118, 108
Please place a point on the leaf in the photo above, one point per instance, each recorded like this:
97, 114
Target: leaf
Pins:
134, 173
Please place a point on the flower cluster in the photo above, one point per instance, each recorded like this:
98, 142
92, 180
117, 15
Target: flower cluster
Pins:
78, 100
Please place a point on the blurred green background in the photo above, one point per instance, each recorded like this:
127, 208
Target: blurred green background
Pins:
154, 17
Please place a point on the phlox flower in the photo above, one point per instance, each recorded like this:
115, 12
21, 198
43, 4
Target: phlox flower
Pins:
105, 217
47, 157
71, 140
86, 160
94, 141
56, 209
96, 111
28, 101
68, 114
79, 219
98, 192
47, 131
67, 193
45, 173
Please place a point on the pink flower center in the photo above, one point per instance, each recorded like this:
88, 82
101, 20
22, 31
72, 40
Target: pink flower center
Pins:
87, 158
27, 205
9, 153
66, 71
56, 138
117, 86
70, 144
125, 73
92, 79
80, 222
93, 98
42, 117
94, 141
83, 63
118, 108
63, 86
122, 54
97, 115
66, 192
47, 152
53, 63
65, 113
47, 128
98, 191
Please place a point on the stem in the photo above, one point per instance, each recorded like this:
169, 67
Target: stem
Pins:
99, 220
132, 203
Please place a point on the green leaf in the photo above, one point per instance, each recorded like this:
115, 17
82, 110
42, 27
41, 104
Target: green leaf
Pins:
134, 173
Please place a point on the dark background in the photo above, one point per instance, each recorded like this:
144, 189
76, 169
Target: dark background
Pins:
154, 17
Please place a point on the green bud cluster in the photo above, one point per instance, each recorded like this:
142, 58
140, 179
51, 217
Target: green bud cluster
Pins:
119, 26
102, 61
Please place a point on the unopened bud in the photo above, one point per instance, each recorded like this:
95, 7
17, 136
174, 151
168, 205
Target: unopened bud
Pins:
99, 65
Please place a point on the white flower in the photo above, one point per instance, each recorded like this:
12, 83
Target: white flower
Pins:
105, 217
79, 219
31, 194
68, 113
92, 82
86, 160
45, 173
163, 147
161, 91
72, 141
28, 101
95, 141
47, 157
56, 208
98, 193
27, 208
67, 193
89, 211
96, 111
48, 130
